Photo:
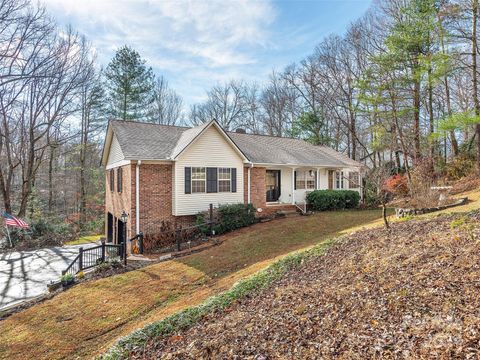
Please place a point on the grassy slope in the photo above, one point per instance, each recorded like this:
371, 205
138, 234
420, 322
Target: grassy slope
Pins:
88, 318
275, 238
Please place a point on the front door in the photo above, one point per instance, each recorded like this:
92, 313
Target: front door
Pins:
120, 231
109, 228
272, 182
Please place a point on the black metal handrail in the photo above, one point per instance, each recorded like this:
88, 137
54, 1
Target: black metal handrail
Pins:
73, 267
93, 256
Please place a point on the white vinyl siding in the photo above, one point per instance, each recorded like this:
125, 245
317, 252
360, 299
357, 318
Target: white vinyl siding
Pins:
210, 149
116, 153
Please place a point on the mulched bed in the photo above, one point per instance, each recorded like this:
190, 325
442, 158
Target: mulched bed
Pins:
410, 293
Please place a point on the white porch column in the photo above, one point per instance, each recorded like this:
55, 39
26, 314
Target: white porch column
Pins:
293, 186
317, 185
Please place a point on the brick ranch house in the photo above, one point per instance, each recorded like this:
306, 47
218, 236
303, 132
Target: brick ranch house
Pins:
166, 173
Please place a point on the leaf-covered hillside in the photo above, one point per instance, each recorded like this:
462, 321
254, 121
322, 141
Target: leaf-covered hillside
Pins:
413, 292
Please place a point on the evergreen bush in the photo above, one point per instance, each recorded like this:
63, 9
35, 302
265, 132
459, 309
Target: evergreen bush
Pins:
322, 200
227, 218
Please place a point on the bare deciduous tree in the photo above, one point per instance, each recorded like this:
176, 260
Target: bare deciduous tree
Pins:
167, 105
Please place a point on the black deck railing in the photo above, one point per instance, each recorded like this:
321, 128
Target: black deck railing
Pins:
91, 257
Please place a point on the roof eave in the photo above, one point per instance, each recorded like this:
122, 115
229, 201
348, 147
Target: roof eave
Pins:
106, 144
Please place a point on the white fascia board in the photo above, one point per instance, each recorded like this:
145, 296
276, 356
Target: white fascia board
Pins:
117, 164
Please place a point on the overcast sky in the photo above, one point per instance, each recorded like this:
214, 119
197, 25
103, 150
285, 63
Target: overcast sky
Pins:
196, 44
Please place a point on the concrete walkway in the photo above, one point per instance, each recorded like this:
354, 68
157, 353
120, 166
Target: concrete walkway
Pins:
25, 274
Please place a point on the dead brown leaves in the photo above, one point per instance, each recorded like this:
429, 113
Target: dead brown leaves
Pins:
410, 293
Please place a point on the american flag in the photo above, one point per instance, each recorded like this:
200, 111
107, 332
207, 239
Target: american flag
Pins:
13, 221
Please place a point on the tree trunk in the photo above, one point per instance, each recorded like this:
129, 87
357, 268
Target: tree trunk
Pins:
416, 117
50, 179
27, 178
125, 106
474, 76
431, 117
5, 189
83, 192
353, 131
453, 137
384, 215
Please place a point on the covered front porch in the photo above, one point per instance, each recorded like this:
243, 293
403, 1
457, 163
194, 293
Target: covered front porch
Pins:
290, 185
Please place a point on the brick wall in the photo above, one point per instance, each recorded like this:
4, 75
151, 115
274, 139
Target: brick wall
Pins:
257, 187
116, 202
155, 196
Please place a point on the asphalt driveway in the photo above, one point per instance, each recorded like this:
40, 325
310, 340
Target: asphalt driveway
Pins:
25, 274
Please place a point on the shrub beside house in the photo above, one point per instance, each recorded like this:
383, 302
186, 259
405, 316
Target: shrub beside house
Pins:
321, 200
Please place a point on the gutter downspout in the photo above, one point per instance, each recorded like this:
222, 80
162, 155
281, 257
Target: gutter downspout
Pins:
137, 197
249, 200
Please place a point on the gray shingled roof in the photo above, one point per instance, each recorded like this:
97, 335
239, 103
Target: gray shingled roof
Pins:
144, 141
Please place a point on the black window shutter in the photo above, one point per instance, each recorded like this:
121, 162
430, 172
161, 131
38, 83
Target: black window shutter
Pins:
212, 177
188, 180
112, 179
119, 180
234, 179
295, 180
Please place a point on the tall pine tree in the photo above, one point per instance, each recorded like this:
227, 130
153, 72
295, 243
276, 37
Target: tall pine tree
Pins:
412, 51
129, 83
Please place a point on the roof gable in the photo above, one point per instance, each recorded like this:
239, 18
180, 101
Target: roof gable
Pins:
190, 136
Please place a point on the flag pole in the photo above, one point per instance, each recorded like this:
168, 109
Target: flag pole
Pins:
8, 234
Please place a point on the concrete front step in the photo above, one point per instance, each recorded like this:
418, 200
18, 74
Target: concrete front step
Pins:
283, 210
288, 212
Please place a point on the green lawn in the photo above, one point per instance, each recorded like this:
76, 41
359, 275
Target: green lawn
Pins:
268, 240
85, 240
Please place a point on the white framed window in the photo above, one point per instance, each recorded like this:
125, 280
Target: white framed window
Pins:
300, 180
339, 179
305, 180
199, 180
310, 178
224, 179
